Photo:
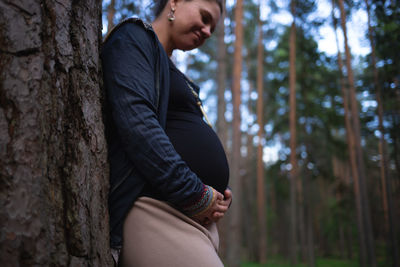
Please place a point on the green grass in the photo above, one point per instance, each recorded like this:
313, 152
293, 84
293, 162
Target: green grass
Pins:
321, 262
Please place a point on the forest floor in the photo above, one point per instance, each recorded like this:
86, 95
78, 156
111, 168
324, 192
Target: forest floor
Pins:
320, 262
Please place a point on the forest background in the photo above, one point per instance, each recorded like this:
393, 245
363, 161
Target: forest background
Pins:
313, 138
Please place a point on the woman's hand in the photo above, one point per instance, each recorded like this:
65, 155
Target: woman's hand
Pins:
217, 209
226, 203
205, 218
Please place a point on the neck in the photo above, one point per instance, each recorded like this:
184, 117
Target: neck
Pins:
161, 29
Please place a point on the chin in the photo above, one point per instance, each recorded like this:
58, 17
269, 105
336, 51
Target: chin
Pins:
192, 44
189, 47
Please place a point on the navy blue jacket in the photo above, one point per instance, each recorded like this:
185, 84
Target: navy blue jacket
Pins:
136, 78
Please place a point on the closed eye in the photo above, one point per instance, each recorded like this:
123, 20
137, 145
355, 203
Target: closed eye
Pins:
207, 19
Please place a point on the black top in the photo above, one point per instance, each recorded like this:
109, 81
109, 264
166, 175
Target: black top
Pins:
193, 139
136, 79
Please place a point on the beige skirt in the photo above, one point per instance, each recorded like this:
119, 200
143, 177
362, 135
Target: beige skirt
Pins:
156, 234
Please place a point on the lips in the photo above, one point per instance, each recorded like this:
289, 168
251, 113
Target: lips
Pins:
198, 37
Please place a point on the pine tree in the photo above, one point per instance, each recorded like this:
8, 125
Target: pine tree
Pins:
293, 136
233, 254
362, 190
261, 200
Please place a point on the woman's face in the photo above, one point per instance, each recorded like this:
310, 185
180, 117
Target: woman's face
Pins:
194, 22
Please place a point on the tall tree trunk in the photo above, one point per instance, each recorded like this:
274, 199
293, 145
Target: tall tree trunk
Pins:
222, 130
337, 173
53, 163
293, 136
261, 200
382, 153
249, 188
221, 125
349, 243
310, 233
340, 175
110, 15
342, 241
301, 219
307, 209
396, 149
386, 184
366, 218
352, 152
234, 251
249, 218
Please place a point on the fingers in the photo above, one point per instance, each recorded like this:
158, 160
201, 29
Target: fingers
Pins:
218, 208
216, 216
222, 202
219, 196
228, 194
222, 207
228, 198
226, 202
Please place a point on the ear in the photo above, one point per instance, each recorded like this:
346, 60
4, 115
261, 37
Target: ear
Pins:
175, 3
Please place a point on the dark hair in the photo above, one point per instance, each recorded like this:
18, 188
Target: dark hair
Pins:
160, 4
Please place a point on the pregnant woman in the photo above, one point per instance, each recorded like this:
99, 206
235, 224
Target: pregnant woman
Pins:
168, 169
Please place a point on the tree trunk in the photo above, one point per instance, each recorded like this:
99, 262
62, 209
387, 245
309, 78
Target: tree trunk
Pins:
293, 136
301, 219
222, 130
249, 188
261, 200
341, 242
366, 218
251, 180
221, 125
395, 146
387, 202
110, 15
234, 250
310, 235
53, 162
338, 175
352, 153
349, 243
249, 218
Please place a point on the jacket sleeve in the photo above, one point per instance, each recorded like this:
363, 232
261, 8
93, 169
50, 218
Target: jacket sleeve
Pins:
128, 65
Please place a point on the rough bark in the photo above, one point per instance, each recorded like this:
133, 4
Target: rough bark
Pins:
53, 168
366, 217
261, 199
234, 251
293, 136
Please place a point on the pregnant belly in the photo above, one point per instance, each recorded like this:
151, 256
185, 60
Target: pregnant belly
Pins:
200, 148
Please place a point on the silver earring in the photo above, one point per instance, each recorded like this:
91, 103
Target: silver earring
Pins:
171, 15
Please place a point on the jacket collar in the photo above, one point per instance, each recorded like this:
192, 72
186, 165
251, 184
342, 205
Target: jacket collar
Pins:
138, 21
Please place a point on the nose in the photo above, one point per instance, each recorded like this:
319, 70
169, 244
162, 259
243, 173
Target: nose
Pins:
206, 31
